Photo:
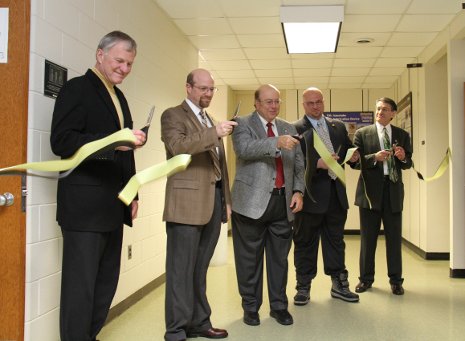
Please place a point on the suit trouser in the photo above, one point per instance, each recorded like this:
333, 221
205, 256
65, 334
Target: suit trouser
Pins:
370, 224
309, 227
90, 273
272, 234
188, 254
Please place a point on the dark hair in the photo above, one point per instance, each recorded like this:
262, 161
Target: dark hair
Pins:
113, 38
190, 78
389, 101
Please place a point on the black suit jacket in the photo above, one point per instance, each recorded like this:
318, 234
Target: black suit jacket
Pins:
317, 181
372, 174
87, 200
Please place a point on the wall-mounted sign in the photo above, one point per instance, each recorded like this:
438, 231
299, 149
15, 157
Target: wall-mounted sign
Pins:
3, 35
54, 78
353, 119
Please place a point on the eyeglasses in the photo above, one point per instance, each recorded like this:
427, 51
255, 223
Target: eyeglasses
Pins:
318, 103
205, 89
271, 101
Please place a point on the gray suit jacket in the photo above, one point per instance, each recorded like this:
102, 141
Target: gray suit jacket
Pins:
256, 166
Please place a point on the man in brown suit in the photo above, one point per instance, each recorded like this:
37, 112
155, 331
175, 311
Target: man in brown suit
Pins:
196, 202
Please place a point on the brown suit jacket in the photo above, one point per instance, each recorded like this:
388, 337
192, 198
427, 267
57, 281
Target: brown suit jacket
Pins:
190, 194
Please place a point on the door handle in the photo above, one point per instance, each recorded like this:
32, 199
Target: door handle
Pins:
7, 199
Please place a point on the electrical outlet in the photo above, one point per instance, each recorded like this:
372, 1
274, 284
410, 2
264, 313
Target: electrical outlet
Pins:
129, 252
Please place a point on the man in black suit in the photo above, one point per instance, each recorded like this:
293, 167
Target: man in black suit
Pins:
89, 212
385, 150
325, 203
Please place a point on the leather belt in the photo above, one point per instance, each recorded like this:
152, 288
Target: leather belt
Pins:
279, 191
218, 184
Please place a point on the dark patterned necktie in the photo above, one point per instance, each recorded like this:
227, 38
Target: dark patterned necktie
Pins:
279, 181
324, 135
213, 152
390, 161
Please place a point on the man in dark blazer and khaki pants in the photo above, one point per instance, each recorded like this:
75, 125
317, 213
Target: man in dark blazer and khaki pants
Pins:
89, 212
380, 193
197, 200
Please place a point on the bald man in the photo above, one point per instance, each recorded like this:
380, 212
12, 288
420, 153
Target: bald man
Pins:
267, 192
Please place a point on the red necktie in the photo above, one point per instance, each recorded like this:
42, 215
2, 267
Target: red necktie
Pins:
279, 162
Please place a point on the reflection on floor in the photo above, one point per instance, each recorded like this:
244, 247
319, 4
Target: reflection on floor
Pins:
433, 307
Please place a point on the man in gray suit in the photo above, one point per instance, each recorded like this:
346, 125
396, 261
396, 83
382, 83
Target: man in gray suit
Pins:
267, 191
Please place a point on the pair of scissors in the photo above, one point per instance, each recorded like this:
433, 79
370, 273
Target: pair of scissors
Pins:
145, 128
236, 113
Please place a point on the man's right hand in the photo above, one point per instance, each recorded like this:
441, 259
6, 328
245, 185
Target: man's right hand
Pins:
225, 128
287, 142
140, 141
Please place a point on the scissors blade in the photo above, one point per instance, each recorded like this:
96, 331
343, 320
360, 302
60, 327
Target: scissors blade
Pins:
236, 112
149, 118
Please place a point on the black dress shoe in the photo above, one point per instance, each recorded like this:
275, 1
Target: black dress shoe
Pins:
251, 318
397, 289
212, 333
362, 287
282, 316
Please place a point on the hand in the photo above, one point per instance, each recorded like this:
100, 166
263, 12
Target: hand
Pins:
322, 164
355, 156
228, 211
225, 128
297, 202
399, 153
134, 209
287, 142
140, 141
383, 155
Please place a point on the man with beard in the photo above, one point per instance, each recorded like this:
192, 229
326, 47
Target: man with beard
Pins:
197, 200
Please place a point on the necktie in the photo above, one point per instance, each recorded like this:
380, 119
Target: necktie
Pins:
213, 152
390, 161
279, 180
324, 135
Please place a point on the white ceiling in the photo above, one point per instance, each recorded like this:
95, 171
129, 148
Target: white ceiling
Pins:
241, 41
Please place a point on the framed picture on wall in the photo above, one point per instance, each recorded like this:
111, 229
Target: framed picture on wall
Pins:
404, 115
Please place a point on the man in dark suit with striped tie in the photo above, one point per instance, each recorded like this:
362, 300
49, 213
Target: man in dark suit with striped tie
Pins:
325, 203
385, 151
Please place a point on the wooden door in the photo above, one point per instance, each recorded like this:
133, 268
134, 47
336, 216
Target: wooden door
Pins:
14, 77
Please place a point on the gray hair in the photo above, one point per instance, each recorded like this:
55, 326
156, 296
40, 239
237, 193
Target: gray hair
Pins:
113, 38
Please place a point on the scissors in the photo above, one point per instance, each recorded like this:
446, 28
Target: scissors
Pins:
145, 129
236, 113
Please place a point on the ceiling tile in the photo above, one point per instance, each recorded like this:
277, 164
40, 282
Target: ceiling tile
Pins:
214, 41
267, 64
223, 54
266, 53
256, 25
395, 52
261, 40
423, 23
203, 26
370, 23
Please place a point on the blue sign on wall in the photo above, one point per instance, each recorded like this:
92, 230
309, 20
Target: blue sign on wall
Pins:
352, 119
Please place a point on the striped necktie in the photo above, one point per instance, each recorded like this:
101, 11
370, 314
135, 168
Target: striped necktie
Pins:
393, 176
213, 152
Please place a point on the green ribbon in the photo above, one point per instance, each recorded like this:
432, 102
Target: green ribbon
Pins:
439, 171
124, 137
169, 167
329, 160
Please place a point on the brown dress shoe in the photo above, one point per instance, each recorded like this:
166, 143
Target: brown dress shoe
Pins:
212, 333
397, 289
362, 287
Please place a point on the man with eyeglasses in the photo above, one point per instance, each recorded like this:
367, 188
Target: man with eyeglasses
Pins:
267, 192
197, 200
385, 151
325, 203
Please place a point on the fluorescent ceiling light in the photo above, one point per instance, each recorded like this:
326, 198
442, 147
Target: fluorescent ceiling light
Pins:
311, 29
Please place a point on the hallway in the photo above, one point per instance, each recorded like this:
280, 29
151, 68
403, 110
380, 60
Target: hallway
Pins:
433, 307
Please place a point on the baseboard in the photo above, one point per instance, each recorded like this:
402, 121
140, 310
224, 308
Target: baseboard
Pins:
457, 273
426, 255
357, 232
134, 298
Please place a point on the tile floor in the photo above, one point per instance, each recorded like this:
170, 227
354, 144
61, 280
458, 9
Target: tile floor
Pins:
433, 307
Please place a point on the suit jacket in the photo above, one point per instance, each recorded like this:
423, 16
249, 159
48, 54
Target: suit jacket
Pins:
372, 174
87, 199
318, 183
190, 195
256, 166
